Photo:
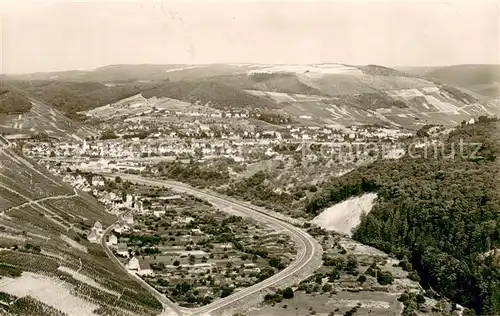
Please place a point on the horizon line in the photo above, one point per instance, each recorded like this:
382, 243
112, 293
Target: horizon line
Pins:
242, 63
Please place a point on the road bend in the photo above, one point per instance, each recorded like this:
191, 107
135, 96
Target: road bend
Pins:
308, 249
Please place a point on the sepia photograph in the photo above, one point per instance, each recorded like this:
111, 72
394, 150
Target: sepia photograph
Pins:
250, 158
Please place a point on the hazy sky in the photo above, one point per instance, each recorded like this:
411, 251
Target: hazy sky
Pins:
84, 35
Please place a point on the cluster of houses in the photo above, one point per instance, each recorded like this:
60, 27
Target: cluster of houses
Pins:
179, 143
131, 154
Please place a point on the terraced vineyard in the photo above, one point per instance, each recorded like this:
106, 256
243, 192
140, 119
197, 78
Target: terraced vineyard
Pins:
43, 246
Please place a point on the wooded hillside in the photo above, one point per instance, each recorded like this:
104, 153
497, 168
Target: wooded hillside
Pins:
440, 213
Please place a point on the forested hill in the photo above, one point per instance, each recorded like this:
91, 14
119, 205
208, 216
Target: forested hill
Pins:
440, 213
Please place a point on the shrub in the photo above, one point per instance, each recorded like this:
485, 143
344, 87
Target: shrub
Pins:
361, 279
420, 299
384, 278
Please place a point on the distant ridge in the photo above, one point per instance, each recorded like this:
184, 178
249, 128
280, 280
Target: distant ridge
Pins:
483, 79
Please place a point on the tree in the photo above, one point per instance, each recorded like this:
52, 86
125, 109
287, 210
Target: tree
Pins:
288, 293
276, 263
352, 264
108, 134
413, 275
176, 263
226, 291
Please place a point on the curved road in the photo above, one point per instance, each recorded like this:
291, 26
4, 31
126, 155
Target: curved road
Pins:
308, 248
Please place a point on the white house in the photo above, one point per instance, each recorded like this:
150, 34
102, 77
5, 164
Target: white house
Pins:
93, 237
196, 231
129, 200
98, 181
159, 213
129, 219
145, 269
122, 249
133, 264
118, 228
112, 240
98, 227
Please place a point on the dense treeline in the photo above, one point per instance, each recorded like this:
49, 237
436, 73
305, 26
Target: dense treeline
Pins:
274, 118
441, 212
193, 173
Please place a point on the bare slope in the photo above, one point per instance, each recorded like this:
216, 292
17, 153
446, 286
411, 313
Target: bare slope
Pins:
346, 215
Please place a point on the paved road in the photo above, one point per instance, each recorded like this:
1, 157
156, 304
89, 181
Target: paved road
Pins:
307, 250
